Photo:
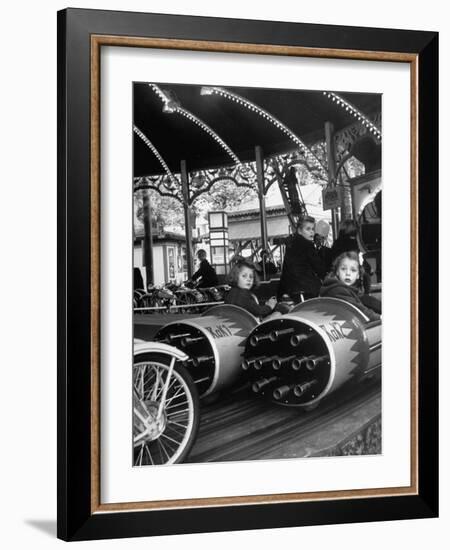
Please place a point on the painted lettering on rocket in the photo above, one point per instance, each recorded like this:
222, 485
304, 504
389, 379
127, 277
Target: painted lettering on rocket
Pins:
333, 331
219, 331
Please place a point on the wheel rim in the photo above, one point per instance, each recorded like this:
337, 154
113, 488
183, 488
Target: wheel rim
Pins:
160, 440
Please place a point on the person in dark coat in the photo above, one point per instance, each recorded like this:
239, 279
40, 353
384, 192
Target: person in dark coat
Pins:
323, 250
205, 272
345, 282
346, 240
266, 265
322, 231
243, 279
303, 268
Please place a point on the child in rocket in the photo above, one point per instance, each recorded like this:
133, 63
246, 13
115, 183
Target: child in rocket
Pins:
345, 282
243, 280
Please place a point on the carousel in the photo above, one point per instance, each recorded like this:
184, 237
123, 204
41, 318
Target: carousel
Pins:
214, 383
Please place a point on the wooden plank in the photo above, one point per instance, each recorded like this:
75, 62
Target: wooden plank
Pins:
242, 426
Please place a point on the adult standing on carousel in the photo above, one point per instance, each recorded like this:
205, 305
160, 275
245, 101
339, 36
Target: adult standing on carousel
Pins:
303, 268
346, 240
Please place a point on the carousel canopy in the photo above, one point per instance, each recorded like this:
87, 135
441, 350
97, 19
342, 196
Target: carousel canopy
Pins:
208, 129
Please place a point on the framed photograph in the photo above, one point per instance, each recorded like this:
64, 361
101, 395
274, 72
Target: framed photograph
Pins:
247, 255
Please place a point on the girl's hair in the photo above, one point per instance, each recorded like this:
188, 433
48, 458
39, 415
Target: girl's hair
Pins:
305, 219
348, 228
237, 268
352, 255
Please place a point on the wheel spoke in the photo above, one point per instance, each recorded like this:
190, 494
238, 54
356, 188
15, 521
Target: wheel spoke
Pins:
139, 437
172, 382
152, 386
140, 416
142, 382
177, 412
174, 396
160, 392
170, 445
139, 382
176, 432
178, 418
175, 405
177, 424
177, 443
155, 387
160, 443
149, 455
141, 452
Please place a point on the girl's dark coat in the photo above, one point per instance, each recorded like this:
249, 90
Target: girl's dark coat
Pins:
334, 288
244, 298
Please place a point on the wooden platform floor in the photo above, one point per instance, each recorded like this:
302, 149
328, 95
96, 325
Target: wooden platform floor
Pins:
240, 426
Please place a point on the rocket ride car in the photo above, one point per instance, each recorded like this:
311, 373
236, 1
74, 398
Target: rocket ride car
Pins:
214, 343
295, 359
307, 354
200, 355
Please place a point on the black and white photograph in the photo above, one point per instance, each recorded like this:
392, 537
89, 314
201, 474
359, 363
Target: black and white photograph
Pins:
246, 254
194, 366
257, 273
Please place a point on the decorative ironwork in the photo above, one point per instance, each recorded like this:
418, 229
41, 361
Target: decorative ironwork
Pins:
201, 181
276, 169
346, 139
158, 184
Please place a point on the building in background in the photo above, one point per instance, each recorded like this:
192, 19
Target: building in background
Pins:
169, 257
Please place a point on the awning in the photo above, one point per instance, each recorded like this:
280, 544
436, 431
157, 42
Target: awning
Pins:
177, 137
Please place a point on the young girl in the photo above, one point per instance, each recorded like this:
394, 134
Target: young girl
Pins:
346, 242
243, 280
345, 282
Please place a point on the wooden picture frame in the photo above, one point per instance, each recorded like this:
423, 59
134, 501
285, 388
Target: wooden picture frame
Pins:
81, 35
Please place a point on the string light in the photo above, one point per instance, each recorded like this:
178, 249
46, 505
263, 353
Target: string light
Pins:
173, 180
162, 96
354, 112
210, 90
171, 106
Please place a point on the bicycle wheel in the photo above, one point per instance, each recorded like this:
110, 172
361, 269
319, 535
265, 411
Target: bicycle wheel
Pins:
165, 412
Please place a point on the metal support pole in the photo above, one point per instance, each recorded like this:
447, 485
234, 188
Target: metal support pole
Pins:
148, 238
262, 201
187, 219
329, 134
